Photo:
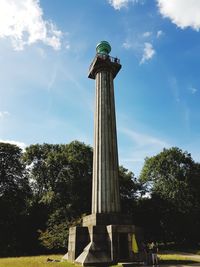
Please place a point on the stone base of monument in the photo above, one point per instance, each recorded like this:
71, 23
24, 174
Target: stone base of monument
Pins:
103, 241
107, 219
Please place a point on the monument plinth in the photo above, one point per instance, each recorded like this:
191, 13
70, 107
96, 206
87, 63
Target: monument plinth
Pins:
106, 235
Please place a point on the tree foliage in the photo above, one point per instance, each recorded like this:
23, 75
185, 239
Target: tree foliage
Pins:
61, 178
173, 180
47, 188
14, 196
129, 189
61, 175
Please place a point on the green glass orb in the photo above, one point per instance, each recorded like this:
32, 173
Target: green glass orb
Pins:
103, 48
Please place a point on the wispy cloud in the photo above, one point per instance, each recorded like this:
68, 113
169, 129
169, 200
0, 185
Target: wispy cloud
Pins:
141, 44
141, 139
183, 13
136, 45
148, 52
193, 90
147, 34
22, 22
4, 114
67, 46
118, 4
181, 103
175, 88
186, 118
17, 143
127, 44
52, 79
141, 145
159, 34
41, 52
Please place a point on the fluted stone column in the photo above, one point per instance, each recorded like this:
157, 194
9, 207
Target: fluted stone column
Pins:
105, 237
105, 189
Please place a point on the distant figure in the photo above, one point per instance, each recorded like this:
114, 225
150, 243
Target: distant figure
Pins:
145, 251
154, 250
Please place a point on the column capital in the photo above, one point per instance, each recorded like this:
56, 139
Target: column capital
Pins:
104, 62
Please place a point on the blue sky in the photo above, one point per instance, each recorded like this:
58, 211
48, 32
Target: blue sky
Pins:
46, 48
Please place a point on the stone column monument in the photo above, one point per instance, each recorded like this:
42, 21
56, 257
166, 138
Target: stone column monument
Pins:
106, 235
105, 191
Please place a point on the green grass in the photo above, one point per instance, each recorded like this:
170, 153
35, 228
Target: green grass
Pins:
176, 258
34, 261
41, 261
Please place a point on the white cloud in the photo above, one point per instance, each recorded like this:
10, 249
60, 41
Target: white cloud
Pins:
17, 143
127, 44
183, 13
22, 22
193, 90
143, 50
118, 4
175, 89
148, 52
67, 46
147, 34
140, 146
4, 114
159, 34
143, 139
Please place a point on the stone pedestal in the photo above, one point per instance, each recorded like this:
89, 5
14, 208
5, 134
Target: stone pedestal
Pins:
78, 240
103, 245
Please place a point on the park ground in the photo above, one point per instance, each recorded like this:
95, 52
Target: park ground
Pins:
167, 259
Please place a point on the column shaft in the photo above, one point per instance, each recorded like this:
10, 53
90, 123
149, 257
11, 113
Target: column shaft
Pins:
105, 191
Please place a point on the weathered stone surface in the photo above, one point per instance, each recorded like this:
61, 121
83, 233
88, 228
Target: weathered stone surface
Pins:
78, 239
107, 219
108, 245
93, 255
98, 250
105, 189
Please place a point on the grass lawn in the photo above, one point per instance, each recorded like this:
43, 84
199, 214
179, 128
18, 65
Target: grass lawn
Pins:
178, 258
41, 261
33, 261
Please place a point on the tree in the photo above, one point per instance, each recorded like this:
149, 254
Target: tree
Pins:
14, 199
173, 178
61, 174
36, 159
61, 178
129, 189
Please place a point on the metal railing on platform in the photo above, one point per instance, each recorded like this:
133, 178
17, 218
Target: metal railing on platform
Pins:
112, 59
105, 57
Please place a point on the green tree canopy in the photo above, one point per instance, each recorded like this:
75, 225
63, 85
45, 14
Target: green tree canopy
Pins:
129, 189
172, 178
61, 177
174, 175
14, 198
61, 174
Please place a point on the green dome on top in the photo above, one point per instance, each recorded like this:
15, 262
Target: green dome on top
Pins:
103, 48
